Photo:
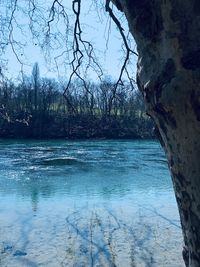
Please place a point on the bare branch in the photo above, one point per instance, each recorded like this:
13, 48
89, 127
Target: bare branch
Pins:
128, 50
11, 39
78, 54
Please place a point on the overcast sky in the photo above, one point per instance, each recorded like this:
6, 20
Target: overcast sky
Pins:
95, 26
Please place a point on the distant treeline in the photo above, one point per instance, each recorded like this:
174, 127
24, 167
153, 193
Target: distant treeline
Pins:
37, 108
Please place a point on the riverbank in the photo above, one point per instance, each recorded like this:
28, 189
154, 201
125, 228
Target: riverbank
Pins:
76, 127
42, 111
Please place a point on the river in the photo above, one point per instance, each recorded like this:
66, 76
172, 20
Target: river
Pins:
87, 203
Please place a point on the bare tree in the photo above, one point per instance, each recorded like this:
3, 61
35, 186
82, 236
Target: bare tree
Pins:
167, 37
36, 83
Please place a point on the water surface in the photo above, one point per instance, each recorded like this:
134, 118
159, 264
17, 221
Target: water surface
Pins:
88, 203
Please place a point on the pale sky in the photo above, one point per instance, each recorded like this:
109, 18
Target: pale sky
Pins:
95, 26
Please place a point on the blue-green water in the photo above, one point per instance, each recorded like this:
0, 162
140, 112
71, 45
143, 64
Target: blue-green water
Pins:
88, 203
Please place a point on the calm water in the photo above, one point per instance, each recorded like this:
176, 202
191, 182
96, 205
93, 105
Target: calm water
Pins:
88, 203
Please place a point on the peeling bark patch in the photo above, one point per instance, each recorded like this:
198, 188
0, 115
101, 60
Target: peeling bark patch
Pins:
195, 258
147, 16
164, 129
179, 183
185, 203
198, 208
168, 71
147, 95
181, 179
185, 214
195, 102
139, 84
185, 254
186, 199
158, 135
176, 11
149, 24
189, 221
166, 76
195, 222
168, 117
191, 61
196, 7
171, 162
137, 7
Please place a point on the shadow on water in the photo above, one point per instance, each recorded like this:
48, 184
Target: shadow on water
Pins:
96, 226
96, 237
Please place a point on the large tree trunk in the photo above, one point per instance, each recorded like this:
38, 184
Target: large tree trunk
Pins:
167, 33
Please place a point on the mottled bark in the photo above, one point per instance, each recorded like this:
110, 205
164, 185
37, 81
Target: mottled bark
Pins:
167, 33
